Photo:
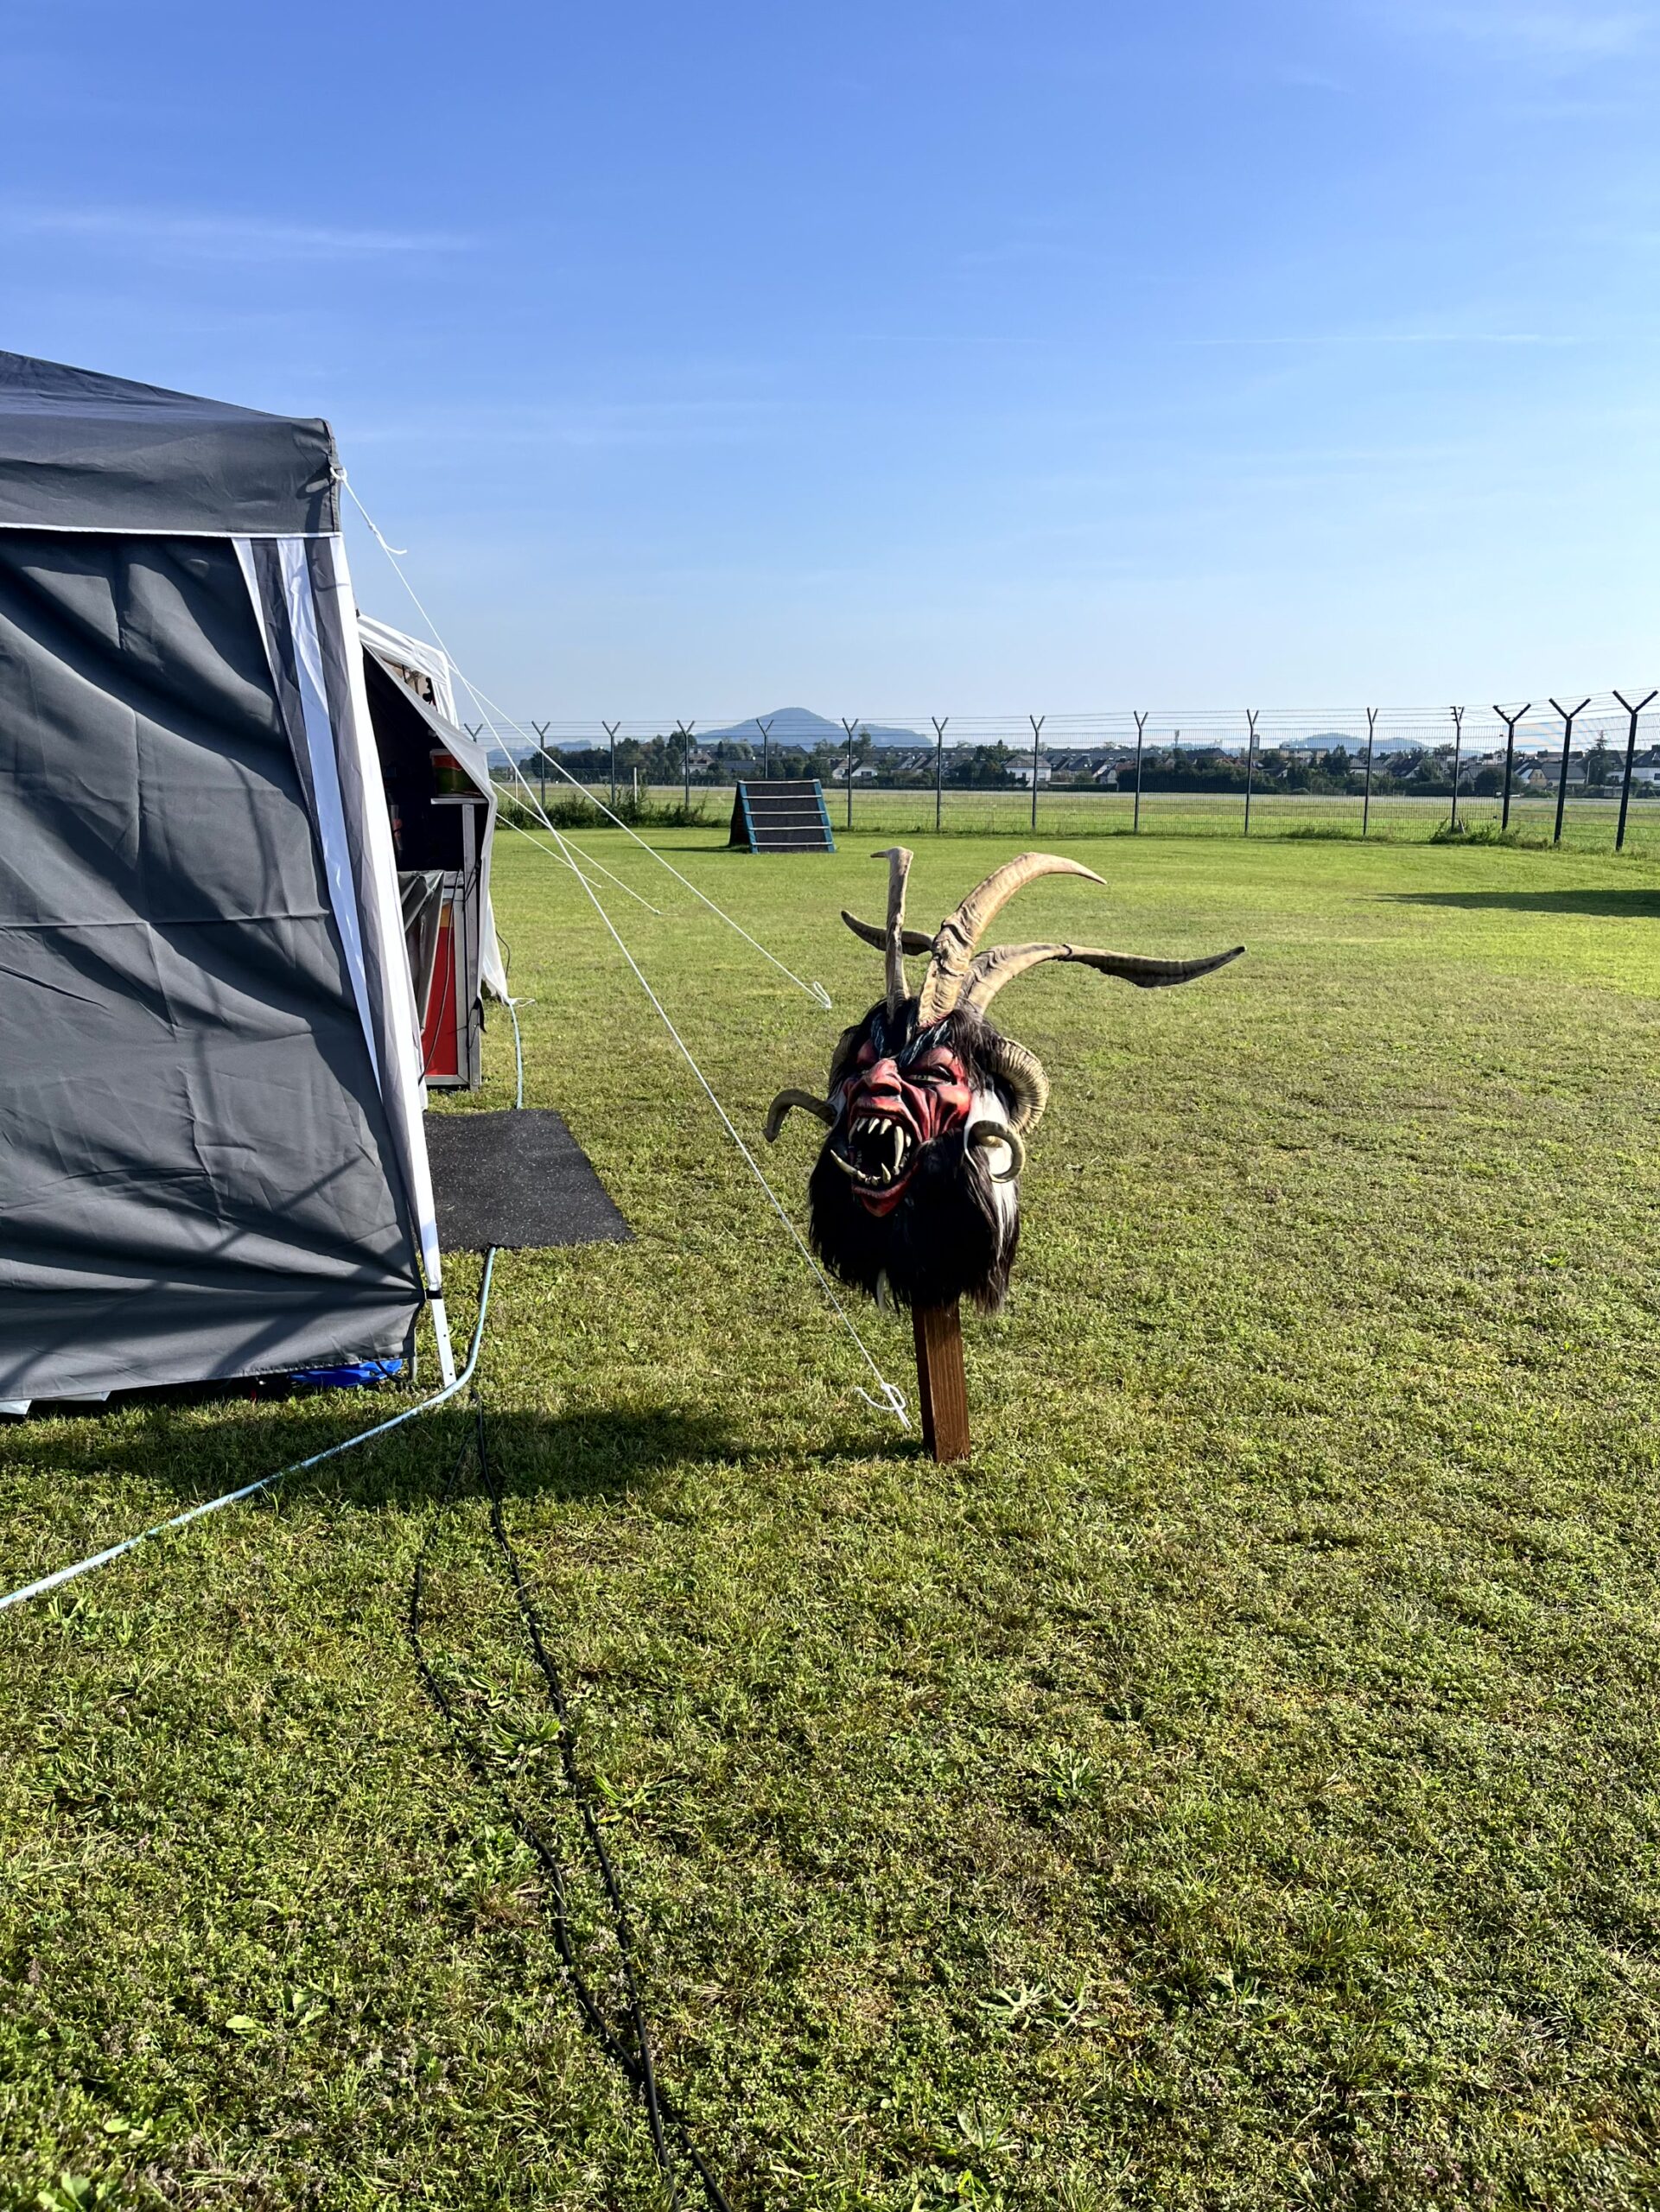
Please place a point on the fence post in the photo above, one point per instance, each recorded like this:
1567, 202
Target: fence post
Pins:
940, 761
611, 730
683, 733
848, 727
1136, 819
1510, 722
1569, 715
1630, 749
1036, 723
1365, 803
1457, 713
1251, 763
766, 729
542, 729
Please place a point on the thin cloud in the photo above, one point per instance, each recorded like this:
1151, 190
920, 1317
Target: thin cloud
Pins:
579, 426
224, 238
1310, 338
1549, 36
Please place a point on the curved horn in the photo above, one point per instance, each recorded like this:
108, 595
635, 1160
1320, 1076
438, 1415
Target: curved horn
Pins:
780, 1107
991, 970
984, 1134
899, 858
1020, 1074
911, 940
960, 932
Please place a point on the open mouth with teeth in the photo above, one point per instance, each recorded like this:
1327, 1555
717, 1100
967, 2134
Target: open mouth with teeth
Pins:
877, 1153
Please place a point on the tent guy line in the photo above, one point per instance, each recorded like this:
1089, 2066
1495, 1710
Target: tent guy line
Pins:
892, 1400
582, 853
815, 991
575, 847
55, 1581
491, 710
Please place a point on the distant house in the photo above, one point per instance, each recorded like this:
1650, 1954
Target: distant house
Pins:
1021, 772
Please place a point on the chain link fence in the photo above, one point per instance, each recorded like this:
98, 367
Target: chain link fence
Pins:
1578, 771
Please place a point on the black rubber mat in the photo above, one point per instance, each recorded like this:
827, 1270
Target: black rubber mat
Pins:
520, 1180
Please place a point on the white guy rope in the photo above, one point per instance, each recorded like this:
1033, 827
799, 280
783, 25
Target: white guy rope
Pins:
250, 1490
583, 853
521, 831
890, 1400
484, 702
815, 991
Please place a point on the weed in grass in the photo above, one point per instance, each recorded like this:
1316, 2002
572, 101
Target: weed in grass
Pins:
1486, 833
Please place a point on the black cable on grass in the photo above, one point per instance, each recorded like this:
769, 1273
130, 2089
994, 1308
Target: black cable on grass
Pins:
633, 2057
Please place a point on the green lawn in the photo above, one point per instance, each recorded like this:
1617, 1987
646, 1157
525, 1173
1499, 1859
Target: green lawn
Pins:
1589, 824
1238, 1789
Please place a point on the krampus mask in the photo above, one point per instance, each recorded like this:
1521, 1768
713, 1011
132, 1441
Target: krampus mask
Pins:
916, 1189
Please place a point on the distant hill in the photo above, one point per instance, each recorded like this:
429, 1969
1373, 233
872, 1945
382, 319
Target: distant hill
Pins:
800, 726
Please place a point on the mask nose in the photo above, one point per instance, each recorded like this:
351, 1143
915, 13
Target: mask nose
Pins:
884, 1077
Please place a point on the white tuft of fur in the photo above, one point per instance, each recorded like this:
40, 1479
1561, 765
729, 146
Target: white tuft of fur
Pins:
991, 1106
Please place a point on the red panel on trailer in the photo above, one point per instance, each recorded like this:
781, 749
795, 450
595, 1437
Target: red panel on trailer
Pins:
440, 1056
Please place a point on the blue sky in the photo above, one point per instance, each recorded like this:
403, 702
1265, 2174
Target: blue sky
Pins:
910, 356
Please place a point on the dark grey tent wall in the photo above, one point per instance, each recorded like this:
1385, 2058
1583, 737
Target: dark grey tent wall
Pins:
193, 1176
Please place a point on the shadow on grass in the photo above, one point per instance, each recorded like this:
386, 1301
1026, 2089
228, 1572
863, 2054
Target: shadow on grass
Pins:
606, 1451
1628, 905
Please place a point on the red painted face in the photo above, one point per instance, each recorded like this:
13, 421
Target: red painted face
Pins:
890, 1109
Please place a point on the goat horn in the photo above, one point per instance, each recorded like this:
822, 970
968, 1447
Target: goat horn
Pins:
960, 932
984, 1134
1018, 1072
988, 972
899, 858
912, 940
780, 1107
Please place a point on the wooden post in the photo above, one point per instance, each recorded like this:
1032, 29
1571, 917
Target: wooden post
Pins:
942, 1386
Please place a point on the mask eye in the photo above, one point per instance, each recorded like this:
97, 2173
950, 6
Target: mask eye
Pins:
866, 1056
932, 1067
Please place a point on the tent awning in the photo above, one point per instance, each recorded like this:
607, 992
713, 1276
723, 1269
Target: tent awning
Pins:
83, 452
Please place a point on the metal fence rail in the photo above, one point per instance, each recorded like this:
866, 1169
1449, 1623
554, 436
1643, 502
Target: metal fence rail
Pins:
1576, 768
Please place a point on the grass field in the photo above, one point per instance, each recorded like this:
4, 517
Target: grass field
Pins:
1589, 824
1238, 1789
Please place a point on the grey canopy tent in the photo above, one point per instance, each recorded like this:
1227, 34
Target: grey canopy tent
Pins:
212, 1154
